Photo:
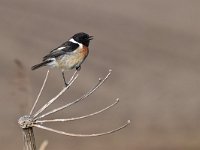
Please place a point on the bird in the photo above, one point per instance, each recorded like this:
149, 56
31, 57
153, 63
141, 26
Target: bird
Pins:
69, 55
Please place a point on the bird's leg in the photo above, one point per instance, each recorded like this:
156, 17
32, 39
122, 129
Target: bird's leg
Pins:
78, 68
63, 75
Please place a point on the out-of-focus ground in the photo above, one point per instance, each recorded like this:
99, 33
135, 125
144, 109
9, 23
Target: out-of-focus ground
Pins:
153, 48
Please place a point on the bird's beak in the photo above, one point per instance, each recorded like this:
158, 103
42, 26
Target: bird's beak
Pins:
91, 37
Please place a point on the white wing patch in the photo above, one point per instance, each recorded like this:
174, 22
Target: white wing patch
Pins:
73, 41
60, 48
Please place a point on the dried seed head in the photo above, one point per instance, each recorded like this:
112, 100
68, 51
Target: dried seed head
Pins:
26, 121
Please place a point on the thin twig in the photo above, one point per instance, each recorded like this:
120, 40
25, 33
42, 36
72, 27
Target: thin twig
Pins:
81, 117
43, 145
55, 98
79, 99
81, 135
73, 76
45, 80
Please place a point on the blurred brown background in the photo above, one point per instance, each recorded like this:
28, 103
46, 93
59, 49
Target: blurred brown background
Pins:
153, 48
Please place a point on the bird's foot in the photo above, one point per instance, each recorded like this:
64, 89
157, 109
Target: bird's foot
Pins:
78, 68
66, 84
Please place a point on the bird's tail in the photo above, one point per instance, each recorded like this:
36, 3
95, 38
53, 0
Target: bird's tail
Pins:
40, 64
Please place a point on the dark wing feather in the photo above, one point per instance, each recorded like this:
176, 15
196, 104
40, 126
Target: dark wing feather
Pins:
53, 54
68, 47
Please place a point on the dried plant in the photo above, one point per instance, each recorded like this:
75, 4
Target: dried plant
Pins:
27, 122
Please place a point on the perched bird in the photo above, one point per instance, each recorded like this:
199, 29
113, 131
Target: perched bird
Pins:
68, 55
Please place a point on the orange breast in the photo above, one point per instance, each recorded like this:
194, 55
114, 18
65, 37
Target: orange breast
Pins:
85, 51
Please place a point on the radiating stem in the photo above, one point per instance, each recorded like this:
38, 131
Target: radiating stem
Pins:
55, 98
79, 99
82, 135
81, 117
45, 80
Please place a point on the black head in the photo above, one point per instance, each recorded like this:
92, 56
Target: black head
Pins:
82, 38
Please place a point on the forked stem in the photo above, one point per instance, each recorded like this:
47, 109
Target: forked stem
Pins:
55, 98
81, 117
79, 99
45, 80
82, 135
